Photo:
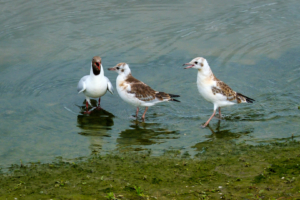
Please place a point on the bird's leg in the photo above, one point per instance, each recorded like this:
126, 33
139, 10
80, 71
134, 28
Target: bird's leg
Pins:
220, 116
143, 117
87, 108
209, 119
137, 111
99, 107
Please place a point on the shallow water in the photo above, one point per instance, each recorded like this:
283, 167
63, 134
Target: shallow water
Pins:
46, 47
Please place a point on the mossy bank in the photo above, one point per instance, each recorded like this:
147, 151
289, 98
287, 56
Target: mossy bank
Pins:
223, 170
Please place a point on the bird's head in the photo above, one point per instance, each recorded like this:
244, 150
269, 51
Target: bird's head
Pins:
96, 65
121, 69
197, 63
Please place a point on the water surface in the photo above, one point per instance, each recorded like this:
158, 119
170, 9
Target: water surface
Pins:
46, 47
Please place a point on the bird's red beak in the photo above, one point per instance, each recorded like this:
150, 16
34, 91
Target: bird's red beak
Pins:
98, 64
190, 65
112, 69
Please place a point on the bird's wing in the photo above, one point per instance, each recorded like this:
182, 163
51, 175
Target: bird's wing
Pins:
110, 87
81, 84
141, 91
224, 90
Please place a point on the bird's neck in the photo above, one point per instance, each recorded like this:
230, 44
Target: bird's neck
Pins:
205, 75
123, 77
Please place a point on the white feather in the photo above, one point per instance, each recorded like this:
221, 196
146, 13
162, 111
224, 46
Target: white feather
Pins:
93, 86
110, 88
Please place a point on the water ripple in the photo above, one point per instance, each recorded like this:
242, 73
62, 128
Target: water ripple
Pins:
46, 47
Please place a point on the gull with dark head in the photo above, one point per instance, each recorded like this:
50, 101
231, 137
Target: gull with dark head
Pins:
135, 92
214, 90
96, 84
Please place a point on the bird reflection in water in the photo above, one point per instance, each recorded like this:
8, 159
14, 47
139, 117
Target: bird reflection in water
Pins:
141, 134
227, 133
95, 125
222, 136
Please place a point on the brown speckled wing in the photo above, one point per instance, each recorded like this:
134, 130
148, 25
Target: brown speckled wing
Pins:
225, 90
141, 91
230, 95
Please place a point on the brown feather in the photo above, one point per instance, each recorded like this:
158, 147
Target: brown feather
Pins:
161, 96
141, 90
144, 92
244, 98
224, 89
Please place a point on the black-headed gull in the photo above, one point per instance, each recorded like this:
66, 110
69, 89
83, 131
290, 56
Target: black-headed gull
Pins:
214, 90
136, 92
96, 84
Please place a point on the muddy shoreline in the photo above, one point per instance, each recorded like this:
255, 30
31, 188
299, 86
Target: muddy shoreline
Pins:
223, 171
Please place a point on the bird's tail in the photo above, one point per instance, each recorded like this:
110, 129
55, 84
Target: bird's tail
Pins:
174, 96
243, 99
164, 96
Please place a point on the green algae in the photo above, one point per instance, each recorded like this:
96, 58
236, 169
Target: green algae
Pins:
223, 171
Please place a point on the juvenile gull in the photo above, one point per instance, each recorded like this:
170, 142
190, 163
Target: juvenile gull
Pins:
96, 84
213, 89
135, 92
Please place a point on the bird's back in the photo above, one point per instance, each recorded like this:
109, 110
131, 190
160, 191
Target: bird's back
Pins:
138, 93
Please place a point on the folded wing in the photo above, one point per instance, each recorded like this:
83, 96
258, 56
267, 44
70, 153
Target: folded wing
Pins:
110, 87
81, 84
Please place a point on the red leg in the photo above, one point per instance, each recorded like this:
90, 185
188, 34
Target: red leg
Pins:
143, 117
87, 108
137, 111
99, 107
220, 116
209, 119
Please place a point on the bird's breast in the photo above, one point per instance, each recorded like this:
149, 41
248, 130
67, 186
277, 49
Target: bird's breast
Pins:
205, 88
123, 85
96, 87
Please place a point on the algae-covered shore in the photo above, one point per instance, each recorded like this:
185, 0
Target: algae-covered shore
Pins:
223, 170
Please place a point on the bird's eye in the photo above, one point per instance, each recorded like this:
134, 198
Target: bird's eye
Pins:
196, 62
118, 68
